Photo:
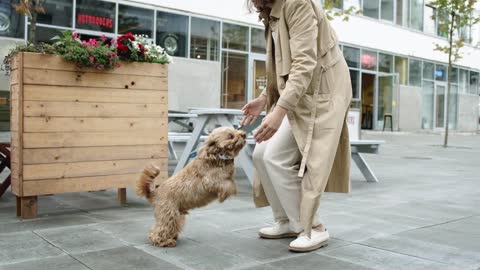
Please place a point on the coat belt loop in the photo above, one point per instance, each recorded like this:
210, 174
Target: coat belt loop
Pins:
313, 115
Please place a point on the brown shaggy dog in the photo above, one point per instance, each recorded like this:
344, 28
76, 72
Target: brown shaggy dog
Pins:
206, 178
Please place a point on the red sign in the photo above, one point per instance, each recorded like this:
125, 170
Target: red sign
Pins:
96, 20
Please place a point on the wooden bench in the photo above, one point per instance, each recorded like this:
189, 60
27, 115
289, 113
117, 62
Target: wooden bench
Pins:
358, 148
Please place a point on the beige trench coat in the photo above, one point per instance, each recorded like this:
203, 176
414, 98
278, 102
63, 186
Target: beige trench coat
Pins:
307, 74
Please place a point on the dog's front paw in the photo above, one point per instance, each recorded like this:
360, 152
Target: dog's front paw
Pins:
152, 171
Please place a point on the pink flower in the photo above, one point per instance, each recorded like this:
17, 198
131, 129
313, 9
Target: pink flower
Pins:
93, 42
75, 35
92, 59
84, 43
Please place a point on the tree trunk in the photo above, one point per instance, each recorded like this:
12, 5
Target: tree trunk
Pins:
33, 23
449, 80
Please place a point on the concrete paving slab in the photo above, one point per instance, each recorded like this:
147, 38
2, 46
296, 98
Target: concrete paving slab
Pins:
55, 263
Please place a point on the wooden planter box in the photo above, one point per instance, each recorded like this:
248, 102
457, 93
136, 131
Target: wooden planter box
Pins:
84, 130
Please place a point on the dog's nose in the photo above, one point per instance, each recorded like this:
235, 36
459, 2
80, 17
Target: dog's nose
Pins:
243, 134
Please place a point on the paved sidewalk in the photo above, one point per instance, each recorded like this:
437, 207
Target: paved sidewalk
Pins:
423, 214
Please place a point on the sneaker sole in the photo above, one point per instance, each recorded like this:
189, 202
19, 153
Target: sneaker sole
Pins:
308, 249
285, 235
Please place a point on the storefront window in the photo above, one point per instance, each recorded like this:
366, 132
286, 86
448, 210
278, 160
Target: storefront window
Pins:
138, 21
452, 107
57, 12
371, 8
454, 75
474, 83
172, 33
352, 56
427, 104
235, 37
369, 60
416, 14
401, 67
385, 63
463, 81
45, 34
205, 39
258, 41
428, 71
387, 7
415, 70
12, 24
95, 15
234, 80
440, 72
355, 78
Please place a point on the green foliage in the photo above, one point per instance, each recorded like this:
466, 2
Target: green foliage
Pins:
334, 8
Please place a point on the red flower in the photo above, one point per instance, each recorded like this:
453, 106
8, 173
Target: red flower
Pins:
92, 59
122, 48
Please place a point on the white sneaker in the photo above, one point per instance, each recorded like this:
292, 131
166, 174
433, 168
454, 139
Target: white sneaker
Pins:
279, 230
306, 244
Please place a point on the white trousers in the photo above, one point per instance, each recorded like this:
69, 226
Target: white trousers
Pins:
277, 162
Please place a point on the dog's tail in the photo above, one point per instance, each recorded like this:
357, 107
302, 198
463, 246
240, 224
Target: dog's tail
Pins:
145, 184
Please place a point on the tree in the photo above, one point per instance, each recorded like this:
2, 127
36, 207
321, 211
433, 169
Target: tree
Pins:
453, 17
334, 8
31, 8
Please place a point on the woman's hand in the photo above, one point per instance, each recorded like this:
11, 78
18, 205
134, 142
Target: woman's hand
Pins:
270, 124
252, 110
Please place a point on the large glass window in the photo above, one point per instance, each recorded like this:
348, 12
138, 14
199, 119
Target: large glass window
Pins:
57, 12
454, 75
385, 63
427, 104
45, 34
474, 83
234, 80
355, 78
440, 72
452, 107
401, 67
428, 71
205, 37
416, 14
258, 41
415, 71
462, 81
352, 56
402, 12
172, 33
138, 21
235, 37
95, 15
12, 24
371, 8
387, 8
369, 60
429, 22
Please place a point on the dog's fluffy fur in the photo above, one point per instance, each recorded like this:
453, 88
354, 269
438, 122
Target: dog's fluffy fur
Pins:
208, 177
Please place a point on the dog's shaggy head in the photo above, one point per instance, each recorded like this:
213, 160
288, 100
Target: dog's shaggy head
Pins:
223, 142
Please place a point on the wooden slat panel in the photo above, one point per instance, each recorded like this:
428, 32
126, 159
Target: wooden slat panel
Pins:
14, 139
79, 154
14, 156
51, 140
79, 94
53, 62
80, 109
68, 124
69, 78
15, 63
55, 186
15, 173
84, 169
14, 92
14, 77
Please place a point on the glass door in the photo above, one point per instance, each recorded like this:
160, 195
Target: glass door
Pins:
440, 105
257, 76
384, 100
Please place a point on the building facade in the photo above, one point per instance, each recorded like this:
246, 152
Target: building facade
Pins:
219, 54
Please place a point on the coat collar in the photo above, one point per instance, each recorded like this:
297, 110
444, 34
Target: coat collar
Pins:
273, 10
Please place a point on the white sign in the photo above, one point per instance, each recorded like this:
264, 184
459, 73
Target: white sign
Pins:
353, 122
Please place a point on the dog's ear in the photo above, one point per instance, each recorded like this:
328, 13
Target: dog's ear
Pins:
208, 150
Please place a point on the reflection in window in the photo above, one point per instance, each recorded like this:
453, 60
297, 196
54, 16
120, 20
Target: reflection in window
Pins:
172, 33
369, 60
205, 37
428, 71
385, 63
440, 72
235, 37
355, 78
352, 56
416, 14
429, 24
234, 80
45, 34
401, 67
454, 75
463, 80
95, 15
402, 12
371, 8
415, 70
258, 41
138, 21
474, 83
427, 104
387, 10
12, 24
57, 12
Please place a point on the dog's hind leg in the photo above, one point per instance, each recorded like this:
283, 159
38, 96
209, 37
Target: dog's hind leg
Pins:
169, 223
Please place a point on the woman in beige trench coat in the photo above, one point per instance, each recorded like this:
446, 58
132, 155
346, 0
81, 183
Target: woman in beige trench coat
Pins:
302, 146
